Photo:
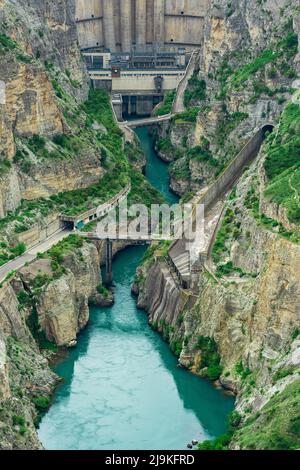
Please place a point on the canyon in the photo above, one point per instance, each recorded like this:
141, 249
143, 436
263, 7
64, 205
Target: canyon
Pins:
61, 150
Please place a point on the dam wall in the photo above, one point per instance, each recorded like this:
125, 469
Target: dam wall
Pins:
119, 24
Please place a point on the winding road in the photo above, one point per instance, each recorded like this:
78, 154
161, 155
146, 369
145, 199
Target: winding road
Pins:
31, 254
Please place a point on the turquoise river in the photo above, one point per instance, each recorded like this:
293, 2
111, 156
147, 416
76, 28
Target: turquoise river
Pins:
122, 387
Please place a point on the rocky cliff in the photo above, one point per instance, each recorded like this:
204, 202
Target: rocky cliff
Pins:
26, 379
42, 307
247, 71
45, 84
241, 325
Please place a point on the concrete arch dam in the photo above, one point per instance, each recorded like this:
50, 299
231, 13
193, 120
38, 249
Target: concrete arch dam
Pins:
213, 201
117, 25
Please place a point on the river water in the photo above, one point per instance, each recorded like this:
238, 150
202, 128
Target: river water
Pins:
122, 388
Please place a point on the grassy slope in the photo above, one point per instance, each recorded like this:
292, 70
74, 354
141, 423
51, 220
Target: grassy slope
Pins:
282, 164
276, 426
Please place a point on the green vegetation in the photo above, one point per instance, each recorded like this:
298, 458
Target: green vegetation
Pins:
230, 229
165, 145
134, 153
180, 169
18, 420
9, 45
203, 154
285, 49
222, 442
176, 347
275, 60
141, 190
210, 357
58, 252
103, 291
227, 124
38, 334
282, 164
167, 105
189, 116
284, 145
284, 372
5, 166
242, 75
276, 426
228, 268
81, 200
242, 371
8, 253
252, 203
22, 159
41, 403
196, 90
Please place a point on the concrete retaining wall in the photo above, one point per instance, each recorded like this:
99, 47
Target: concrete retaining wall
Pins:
225, 182
234, 170
39, 233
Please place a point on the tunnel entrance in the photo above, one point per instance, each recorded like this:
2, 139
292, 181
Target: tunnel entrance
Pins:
266, 130
67, 224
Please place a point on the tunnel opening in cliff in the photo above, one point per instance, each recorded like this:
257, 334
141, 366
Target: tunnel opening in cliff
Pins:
266, 130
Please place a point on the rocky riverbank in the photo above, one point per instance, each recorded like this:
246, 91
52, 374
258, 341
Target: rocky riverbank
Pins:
42, 309
241, 327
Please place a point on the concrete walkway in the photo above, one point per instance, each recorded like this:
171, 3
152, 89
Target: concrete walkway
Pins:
178, 106
146, 121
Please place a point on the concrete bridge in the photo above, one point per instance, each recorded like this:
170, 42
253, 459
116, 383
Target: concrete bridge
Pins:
146, 121
178, 104
213, 200
67, 225
109, 249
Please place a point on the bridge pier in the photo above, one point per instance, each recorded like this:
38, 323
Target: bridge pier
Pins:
109, 256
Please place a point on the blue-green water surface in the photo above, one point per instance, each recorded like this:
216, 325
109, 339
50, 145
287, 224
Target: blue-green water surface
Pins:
122, 387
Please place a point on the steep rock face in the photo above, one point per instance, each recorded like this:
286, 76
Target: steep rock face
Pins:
4, 383
40, 57
12, 322
24, 375
59, 176
62, 306
36, 308
248, 64
36, 27
251, 311
160, 296
252, 322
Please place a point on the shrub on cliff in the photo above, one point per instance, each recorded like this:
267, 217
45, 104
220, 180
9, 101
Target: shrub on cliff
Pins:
210, 357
